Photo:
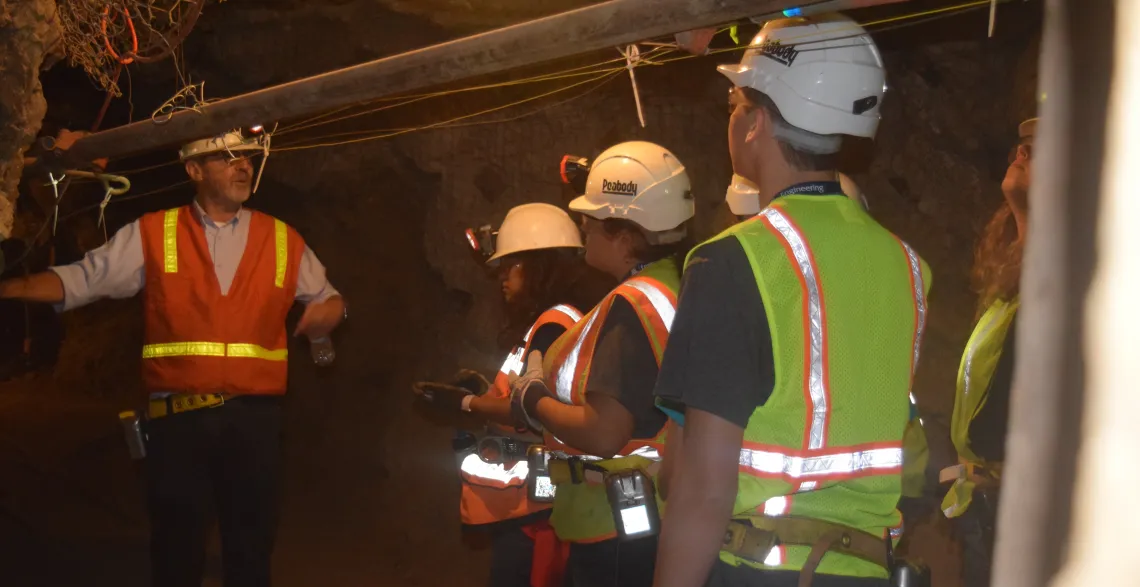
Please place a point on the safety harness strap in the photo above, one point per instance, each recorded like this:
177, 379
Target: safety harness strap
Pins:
753, 539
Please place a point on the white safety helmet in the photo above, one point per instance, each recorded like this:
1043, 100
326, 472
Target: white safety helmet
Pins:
743, 197
824, 73
232, 143
535, 226
643, 183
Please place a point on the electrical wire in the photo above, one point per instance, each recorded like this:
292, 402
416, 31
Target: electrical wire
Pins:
445, 122
657, 56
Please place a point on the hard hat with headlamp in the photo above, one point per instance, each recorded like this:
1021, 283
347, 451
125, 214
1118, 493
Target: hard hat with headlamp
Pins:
824, 74
234, 145
743, 197
535, 226
643, 183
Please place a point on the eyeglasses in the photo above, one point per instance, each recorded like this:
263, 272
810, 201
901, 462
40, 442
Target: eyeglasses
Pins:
1022, 148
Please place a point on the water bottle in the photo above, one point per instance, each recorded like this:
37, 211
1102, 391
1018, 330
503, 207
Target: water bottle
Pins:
132, 429
322, 350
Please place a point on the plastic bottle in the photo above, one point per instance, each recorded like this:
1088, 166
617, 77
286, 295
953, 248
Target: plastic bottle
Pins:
322, 350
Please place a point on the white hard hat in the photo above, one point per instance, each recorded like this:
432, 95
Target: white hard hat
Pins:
643, 183
1027, 129
535, 226
743, 197
230, 141
824, 73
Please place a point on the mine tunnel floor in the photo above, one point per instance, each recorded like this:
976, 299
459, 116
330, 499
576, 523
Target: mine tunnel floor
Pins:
72, 512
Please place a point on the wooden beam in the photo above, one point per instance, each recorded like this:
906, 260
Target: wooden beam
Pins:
607, 24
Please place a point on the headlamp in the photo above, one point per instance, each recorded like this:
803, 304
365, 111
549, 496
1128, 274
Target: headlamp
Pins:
574, 171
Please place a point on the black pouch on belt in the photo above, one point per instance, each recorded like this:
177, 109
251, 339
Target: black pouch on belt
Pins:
633, 504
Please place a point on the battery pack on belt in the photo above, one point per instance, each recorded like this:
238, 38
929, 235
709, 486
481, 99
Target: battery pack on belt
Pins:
160, 407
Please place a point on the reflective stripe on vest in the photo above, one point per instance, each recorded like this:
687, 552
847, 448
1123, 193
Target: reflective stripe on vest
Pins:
919, 304
212, 349
170, 247
477, 467
816, 383
662, 305
515, 361
843, 464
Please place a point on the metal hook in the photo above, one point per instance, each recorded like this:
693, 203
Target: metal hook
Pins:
55, 189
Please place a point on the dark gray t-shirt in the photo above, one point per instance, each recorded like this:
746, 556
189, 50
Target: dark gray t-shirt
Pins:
625, 369
719, 357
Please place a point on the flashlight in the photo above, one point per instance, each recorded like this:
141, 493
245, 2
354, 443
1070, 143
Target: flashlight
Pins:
481, 240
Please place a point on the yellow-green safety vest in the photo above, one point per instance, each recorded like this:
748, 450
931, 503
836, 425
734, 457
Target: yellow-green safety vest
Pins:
845, 301
979, 361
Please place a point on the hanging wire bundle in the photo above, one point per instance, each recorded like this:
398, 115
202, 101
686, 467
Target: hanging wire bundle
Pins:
103, 36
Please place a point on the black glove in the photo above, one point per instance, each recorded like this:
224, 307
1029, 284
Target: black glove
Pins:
526, 391
472, 381
441, 395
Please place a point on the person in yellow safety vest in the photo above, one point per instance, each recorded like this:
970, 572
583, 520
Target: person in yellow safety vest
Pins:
796, 339
544, 285
592, 392
743, 199
985, 377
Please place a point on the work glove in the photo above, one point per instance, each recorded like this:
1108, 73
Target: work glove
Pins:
526, 390
441, 396
472, 381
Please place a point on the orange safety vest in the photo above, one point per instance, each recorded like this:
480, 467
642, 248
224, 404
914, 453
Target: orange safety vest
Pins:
493, 493
570, 358
197, 340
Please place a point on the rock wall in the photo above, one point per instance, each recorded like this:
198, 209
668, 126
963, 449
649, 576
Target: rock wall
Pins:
30, 38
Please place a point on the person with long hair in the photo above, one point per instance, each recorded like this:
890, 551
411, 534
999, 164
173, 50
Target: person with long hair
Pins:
592, 392
985, 377
545, 286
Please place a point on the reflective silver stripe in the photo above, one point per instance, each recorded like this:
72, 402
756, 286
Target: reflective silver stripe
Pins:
776, 506
646, 451
569, 311
796, 467
919, 303
475, 466
973, 346
514, 363
897, 532
564, 381
817, 387
660, 301
912, 400
807, 486
775, 556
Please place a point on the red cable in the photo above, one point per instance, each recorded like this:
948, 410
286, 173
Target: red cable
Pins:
107, 100
129, 57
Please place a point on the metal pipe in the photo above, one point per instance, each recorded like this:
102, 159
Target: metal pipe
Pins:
607, 24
